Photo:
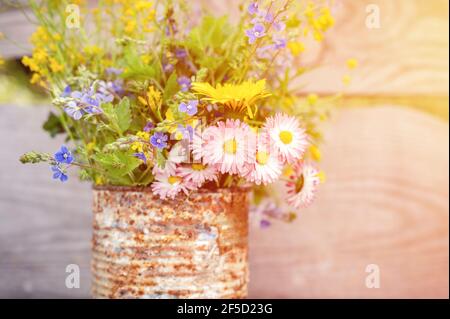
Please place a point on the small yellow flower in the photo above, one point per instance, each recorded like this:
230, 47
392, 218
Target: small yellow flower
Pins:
352, 63
146, 58
130, 26
296, 48
55, 66
315, 153
322, 177
57, 37
35, 78
143, 135
312, 99
93, 50
99, 180
346, 79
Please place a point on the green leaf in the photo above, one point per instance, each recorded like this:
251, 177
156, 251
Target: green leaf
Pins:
119, 116
171, 87
134, 67
117, 164
123, 114
53, 125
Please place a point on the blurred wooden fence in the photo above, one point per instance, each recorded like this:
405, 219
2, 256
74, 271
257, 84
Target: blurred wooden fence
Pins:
385, 201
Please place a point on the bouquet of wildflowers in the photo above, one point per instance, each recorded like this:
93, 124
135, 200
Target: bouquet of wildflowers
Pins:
158, 95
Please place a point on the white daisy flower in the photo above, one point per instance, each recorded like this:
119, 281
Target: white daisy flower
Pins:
229, 146
198, 173
288, 137
168, 186
266, 167
302, 186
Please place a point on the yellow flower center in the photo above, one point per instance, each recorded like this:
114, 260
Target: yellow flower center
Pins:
198, 167
230, 146
262, 157
174, 180
286, 137
299, 184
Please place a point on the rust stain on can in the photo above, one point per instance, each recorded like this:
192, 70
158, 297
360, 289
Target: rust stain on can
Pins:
193, 247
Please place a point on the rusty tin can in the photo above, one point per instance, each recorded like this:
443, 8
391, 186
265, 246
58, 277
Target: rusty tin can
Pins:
191, 247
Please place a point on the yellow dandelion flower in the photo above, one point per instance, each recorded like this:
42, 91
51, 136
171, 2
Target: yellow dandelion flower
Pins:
2, 61
236, 97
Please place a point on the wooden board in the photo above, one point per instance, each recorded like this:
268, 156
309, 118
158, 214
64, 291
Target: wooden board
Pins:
385, 203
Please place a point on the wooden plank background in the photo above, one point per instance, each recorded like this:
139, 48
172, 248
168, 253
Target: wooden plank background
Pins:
385, 201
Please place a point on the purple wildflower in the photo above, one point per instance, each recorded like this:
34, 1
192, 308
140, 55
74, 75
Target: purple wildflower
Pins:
264, 223
268, 17
190, 107
258, 31
111, 87
73, 110
279, 44
185, 83
67, 91
187, 132
159, 140
113, 71
148, 127
64, 155
59, 173
168, 68
279, 26
180, 53
87, 100
141, 156
253, 8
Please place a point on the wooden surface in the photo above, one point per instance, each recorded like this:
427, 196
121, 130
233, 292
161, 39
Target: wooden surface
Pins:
385, 203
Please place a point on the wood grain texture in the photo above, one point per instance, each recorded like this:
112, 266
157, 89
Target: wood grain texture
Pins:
408, 54
385, 203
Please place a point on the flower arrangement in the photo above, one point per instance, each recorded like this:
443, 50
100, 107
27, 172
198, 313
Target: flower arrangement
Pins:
151, 95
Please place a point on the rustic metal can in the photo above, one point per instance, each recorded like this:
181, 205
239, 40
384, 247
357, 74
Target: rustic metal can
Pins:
191, 247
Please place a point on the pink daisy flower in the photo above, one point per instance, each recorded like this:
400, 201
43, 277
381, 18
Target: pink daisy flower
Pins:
198, 173
199, 140
168, 186
229, 146
302, 187
266, 167
288, 137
